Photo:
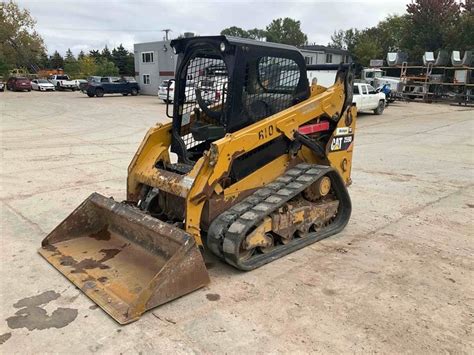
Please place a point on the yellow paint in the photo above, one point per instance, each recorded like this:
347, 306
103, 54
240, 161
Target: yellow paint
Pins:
207, 176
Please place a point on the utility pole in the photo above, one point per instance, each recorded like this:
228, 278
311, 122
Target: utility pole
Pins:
166, 31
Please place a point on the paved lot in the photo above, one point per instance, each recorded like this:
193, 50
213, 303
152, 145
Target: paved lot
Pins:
399, 278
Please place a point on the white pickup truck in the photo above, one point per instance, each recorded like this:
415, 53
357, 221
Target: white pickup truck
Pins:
62, 82
367, 99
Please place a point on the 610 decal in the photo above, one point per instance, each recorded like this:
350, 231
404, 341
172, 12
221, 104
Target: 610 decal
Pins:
266, 132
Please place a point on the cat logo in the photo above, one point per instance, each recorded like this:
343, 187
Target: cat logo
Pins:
341, 143
336, 144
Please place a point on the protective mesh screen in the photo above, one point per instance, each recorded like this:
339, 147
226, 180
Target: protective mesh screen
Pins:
270, 86
208, 76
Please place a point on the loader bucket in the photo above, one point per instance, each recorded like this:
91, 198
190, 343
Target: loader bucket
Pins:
123, 259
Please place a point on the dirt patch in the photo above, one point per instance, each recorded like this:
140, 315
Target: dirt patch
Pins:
5, 337
33, 316
37, 300
328, 292
109, 254
210, 265
89, 263
213, 297
103, 234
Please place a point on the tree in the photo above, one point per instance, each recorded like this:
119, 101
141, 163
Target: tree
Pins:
87, 66
367, 46
345, 39
20, 44
57, 60
235, 32
431, 26
123, 60
106, 54
258, 34
392, 31
462, 37
338, 40
287, 31
130, 67
106, 68
44, 61
4, 67
71, 65
95, 54
428, 25
81, 55
69, 56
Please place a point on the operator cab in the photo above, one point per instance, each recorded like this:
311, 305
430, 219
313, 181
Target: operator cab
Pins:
236, 82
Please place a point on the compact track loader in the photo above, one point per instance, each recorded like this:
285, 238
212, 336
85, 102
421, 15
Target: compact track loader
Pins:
254, 165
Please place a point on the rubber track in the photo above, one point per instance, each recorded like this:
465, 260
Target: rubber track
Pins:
229, 229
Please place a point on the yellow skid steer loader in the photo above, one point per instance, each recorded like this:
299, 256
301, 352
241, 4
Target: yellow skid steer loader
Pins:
253, 165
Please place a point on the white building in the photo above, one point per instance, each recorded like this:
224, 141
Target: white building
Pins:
154, 62
316, 54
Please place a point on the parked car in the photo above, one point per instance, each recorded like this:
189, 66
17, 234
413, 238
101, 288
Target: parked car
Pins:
163, 91
112, 85
18, 84
209, 91
2, 84
62, 82
83, 86
42, 85
78, 83
367, 99
213, 87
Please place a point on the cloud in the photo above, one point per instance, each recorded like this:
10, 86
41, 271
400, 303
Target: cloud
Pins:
91, 24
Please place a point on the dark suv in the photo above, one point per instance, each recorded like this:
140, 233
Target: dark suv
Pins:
83, 86
112, 85
18, 84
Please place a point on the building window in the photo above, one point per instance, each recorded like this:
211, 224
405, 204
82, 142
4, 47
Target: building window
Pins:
146, 79
328, 58
147, 57
308, 60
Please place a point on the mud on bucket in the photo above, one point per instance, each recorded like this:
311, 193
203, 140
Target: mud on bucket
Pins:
124, 260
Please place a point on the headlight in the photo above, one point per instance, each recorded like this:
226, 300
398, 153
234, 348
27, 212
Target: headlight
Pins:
222, 46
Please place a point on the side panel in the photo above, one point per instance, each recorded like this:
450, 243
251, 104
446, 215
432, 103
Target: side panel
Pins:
341, 144
141, 170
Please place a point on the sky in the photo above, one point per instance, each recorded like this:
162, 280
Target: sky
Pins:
92, 24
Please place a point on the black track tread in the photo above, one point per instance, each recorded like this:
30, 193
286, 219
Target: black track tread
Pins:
228, 230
